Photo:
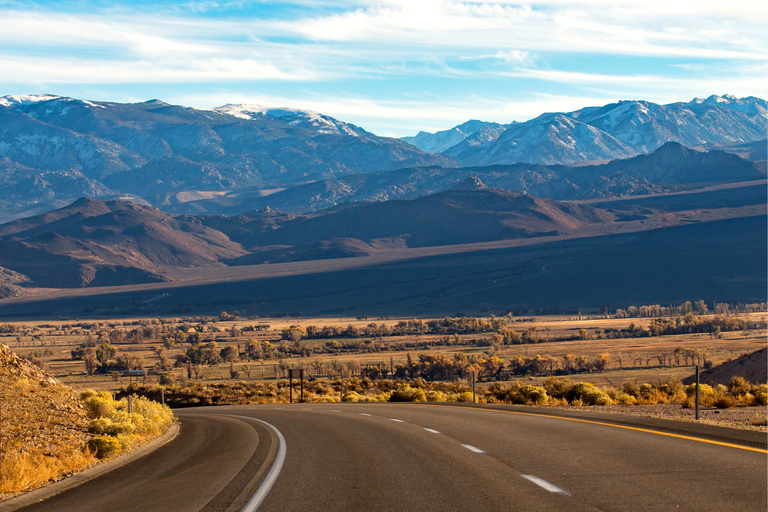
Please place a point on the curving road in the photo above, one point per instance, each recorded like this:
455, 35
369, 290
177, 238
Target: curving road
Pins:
383, 457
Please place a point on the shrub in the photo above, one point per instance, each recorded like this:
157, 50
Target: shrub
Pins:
739, 386
534, 395
557, 388
104, 446
704, 390
436, 396
596, 397
631, 388
724, 401
408, 394
577, 392
625, 399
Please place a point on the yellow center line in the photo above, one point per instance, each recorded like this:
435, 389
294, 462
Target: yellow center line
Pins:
593, 422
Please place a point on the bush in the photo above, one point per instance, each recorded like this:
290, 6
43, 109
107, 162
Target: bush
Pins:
578, 391
534, 395
724, 401
461, 397
100, 405
625, 399
739, 386
704, 390
104, 446
436, 396
408, 394
596, 397
631, 388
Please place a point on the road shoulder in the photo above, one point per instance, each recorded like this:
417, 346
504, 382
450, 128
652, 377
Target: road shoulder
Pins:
749, 438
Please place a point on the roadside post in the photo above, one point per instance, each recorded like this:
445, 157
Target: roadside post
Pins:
301, 385
294, 373
474, 399
341, 393
238, 397
162, 396
697, 392
130, 404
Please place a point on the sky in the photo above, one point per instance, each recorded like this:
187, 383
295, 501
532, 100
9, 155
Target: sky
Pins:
394, 67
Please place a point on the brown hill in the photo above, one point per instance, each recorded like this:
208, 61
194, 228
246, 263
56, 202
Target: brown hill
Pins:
753, 367
98, 243
446, 218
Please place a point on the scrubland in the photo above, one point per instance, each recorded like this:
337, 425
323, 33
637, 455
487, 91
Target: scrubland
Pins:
48, 431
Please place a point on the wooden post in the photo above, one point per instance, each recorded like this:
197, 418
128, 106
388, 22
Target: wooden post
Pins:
474, 399
162, 396
290, 385
301, 385
130, 404
697, 392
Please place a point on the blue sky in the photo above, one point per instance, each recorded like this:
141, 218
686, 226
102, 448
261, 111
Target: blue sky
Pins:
393, 67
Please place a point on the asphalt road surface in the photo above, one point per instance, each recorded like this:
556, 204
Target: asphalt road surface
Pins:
390, 457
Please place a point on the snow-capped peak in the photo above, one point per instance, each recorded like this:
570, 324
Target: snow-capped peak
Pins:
16, 100
302, 117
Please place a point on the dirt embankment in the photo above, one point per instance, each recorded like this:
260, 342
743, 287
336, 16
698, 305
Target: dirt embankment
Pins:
753, 367
42, 421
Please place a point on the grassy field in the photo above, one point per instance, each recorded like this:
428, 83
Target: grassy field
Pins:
629, 359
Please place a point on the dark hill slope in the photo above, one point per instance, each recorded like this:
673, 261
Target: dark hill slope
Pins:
447, 218
92, 243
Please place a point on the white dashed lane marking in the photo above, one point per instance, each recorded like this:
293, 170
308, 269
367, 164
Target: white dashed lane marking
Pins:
364, 414
432, 430
546, 485
397, 420
473, 448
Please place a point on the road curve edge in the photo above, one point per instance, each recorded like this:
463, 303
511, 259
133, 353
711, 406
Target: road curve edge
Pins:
51, 490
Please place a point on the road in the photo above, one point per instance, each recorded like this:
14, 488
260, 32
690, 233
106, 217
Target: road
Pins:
383, 457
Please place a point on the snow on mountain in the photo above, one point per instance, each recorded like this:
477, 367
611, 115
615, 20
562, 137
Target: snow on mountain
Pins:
618, 130
298, 117
441, 141
15, 100
549, 139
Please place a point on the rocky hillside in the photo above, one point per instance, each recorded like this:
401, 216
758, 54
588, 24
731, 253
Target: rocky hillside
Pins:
41, 418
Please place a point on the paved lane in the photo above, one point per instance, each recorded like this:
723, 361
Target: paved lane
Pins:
381, 457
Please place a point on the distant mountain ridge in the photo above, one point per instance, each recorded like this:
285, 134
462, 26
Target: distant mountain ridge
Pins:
155, 150
670, 168
617, 130
55, 149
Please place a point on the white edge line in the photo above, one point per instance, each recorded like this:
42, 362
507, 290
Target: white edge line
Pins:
473, 448
397, 420
258, 497
546, 485
432, 430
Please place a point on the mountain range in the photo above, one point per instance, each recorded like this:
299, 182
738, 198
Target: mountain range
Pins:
57, 149
616, 130
54, 149
670, 168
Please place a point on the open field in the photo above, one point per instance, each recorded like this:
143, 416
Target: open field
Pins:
639, 359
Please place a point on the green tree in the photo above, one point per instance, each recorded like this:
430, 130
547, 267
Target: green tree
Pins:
105, 352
